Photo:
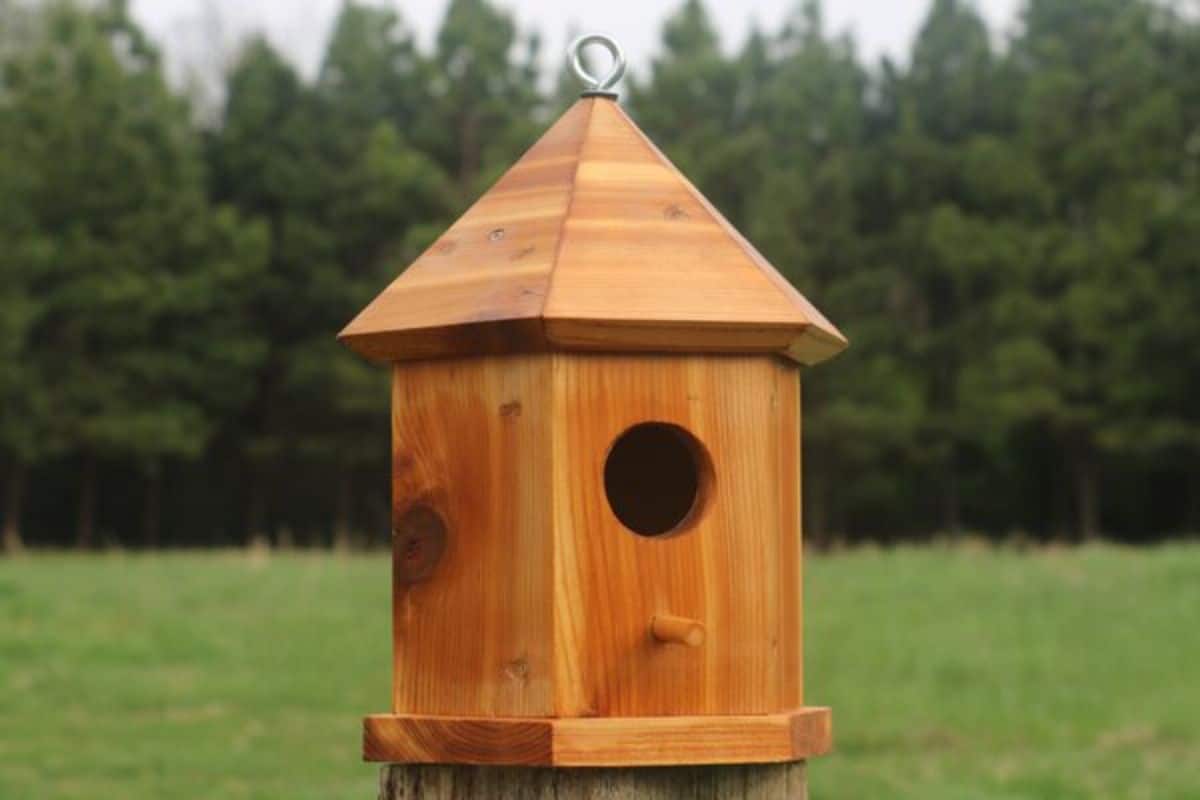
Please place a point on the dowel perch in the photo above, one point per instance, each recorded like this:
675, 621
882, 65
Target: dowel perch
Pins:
677, 630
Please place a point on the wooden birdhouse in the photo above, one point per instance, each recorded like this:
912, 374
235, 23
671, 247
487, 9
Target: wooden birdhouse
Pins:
596, 472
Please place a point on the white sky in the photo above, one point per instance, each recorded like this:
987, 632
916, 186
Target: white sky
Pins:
299, 27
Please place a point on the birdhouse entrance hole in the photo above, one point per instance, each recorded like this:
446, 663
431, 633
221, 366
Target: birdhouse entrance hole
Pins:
656, 477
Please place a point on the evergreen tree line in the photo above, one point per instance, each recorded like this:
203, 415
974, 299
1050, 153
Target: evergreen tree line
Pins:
1007, 229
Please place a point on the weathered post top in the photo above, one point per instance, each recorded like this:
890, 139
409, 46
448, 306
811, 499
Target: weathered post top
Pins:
596, 472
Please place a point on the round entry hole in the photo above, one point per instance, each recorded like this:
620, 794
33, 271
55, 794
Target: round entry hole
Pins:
655, 477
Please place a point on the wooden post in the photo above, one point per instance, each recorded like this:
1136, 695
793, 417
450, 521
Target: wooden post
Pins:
727, 782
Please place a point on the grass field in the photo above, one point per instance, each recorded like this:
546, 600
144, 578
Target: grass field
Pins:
953, 674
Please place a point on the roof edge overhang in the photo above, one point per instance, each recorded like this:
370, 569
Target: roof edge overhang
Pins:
804, 344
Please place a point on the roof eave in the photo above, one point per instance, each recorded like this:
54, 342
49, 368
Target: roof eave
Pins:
805, 344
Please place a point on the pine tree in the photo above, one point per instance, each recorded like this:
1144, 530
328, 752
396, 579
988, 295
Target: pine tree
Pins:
386, 201
945, 245
700, 104
1104, 127
24, 261
372, 70
805, 215
484, 108
348, 200
266, 162
120, 194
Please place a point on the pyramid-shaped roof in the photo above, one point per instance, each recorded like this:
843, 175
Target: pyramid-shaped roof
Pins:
592, 241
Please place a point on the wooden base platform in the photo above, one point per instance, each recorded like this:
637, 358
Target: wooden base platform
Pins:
598, 742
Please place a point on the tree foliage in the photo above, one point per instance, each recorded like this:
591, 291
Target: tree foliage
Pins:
1007, 230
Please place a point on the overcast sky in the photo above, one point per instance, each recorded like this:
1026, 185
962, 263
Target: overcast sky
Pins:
299, 27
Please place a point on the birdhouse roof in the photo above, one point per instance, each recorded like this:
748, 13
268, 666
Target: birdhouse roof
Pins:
593, 240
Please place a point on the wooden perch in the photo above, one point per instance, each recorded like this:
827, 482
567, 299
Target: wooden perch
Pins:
677, 630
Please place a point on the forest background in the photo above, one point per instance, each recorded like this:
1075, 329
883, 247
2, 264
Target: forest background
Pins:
1006, 228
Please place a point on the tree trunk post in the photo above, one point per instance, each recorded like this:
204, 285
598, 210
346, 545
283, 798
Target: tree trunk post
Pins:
11, 541
816, 503
152, 505
951, 497
725, 782
1087, 498
341, 517
256, 507
86, 526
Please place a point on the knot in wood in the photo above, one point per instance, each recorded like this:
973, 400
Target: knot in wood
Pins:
420, 542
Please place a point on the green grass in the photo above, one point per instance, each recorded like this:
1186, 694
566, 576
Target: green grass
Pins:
955, 674
952, 673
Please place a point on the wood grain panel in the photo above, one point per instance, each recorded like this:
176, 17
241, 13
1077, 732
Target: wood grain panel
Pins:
456, 740
473, 634
639, 246
662, 741
735, 570
658, 741
647, 263
790, 651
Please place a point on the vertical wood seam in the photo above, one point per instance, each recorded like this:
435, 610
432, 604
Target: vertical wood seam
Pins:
564, 654
562, 226
798, 489
395, 420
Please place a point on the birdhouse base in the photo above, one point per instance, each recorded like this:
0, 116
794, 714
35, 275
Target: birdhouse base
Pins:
598, 741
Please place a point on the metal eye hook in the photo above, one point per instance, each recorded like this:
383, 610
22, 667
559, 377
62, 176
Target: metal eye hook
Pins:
604, 84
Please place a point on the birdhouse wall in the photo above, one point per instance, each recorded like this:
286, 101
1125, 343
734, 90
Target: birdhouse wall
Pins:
473, 626
519, 591
735, 566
